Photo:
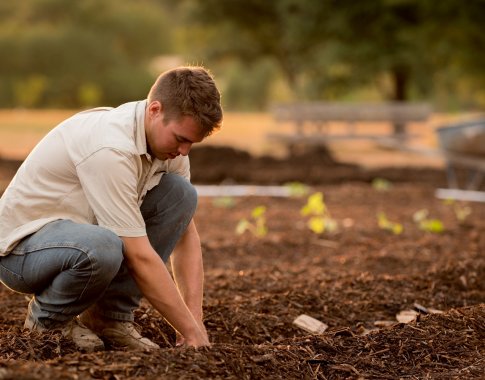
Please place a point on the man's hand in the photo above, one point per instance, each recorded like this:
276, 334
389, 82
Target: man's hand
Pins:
156, 284
181, 341
201, 340
188, 273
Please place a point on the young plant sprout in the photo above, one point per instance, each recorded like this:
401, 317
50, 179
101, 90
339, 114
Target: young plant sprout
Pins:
381, 184
256, 225
297, 189
224, 202
386, 224
461, 211
420, 217
320, 220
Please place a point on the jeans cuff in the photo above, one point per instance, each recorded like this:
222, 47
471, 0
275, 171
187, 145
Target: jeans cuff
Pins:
119, 316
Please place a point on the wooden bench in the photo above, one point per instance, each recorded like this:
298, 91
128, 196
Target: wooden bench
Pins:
310, 121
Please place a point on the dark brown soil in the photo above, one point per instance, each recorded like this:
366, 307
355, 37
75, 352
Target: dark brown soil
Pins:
257, 286
212, 164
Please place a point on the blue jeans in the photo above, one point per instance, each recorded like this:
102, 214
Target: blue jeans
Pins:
70, 267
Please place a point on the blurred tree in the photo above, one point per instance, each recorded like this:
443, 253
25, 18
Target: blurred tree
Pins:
28, 92
85, 51
74, 53
456, 44
247, 86
382, 37
290, 32
382, 41
327, 48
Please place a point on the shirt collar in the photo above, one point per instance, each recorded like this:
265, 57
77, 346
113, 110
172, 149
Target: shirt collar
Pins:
140, 136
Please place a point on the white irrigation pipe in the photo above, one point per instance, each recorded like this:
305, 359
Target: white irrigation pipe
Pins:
242, 191
461, 195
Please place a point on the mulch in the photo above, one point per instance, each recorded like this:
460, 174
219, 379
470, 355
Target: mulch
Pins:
356, 280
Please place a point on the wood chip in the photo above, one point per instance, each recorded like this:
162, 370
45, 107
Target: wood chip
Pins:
426, 310
310, 324
262, 358
407, 316
384, 323
421, 308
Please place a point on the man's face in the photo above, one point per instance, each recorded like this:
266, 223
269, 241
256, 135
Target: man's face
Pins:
168, 139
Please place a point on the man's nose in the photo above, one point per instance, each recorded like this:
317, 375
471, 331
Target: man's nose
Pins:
184, 148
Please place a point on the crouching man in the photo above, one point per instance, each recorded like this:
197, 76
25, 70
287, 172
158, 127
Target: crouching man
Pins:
99, 206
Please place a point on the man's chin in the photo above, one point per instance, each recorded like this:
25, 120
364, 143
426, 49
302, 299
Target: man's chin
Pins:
164, 156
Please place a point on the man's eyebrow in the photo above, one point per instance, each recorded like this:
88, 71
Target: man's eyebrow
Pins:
184, 139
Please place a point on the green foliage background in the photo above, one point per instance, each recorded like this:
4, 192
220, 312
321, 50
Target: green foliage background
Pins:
63, 53
78, 53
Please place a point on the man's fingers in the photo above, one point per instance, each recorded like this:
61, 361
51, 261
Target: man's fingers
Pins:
179, 340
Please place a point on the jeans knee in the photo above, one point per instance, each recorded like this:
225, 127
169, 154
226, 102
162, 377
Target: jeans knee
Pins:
190, 197
106, 251
174, 194
187, 195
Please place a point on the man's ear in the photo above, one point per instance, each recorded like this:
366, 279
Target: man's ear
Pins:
154, 107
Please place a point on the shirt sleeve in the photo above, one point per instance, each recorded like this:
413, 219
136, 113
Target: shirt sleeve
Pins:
109, 180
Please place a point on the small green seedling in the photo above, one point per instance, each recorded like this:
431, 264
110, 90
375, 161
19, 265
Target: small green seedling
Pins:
320, 220
297, 189
256, 225
386, 224
381, 184
420, 217
224, 202
461, 211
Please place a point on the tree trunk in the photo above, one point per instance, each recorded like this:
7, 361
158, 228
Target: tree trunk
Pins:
400, 77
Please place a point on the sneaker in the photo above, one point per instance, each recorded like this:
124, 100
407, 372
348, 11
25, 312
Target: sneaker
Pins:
82, 337
117, 333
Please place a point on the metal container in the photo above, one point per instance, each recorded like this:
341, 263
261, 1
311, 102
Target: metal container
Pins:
467, 138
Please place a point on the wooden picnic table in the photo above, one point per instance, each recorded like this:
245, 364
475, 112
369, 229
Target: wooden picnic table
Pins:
310, 121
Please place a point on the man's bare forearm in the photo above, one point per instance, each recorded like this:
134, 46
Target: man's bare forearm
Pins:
187, 266
156, 284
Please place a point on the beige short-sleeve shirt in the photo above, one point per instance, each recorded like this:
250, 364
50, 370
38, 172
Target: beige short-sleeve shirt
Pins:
92, 168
